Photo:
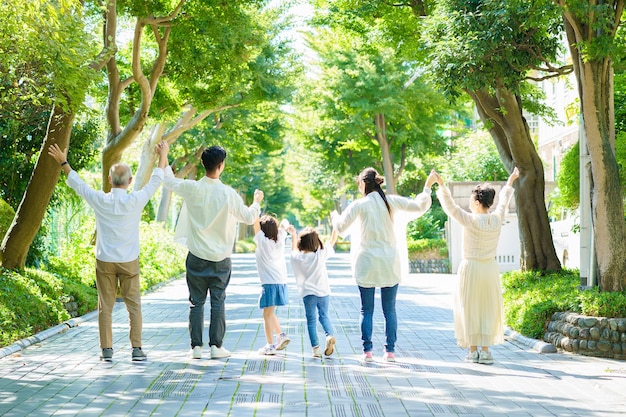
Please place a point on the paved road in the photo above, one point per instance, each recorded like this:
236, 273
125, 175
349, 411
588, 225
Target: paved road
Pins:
63, 376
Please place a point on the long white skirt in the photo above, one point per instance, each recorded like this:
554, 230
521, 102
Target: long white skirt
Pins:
478, 305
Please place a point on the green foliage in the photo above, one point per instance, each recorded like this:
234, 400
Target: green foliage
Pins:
6, 217
34, 300
493, 44
29, 303
245, 246
619, 97
427, 249
603, 304
620, 155
160, 258
360, 78
568, 180
530, 299
428, 226
472, 157
44, 52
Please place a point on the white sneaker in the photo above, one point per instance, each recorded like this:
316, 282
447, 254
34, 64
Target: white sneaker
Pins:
268, 349
330, 345
472, 357
316, 352
196, 352
219, 352
282, 341
485, 358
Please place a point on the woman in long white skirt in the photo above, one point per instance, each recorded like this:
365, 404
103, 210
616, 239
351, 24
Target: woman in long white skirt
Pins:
478, 306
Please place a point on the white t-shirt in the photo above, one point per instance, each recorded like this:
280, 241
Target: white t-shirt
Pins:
270, 258
310, 271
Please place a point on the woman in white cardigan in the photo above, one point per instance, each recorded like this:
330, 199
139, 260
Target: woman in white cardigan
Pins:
478, 306
377, 226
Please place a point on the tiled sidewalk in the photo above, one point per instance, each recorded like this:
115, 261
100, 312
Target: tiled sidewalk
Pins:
62, 375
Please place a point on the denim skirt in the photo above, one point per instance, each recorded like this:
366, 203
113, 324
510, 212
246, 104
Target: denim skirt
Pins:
273, 295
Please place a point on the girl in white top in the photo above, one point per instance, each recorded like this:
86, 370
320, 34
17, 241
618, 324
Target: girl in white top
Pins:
270, 259
378, 249
478, 305
308, 260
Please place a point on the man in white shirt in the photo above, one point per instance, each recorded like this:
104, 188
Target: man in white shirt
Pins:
118, 214
207, 225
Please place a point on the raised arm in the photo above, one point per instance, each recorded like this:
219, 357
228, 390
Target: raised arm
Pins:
333, 238
60, 156
294, 237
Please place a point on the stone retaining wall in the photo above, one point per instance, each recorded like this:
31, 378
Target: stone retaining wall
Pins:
590, 336
429, 266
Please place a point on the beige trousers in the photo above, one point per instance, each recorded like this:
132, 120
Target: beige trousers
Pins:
108, 275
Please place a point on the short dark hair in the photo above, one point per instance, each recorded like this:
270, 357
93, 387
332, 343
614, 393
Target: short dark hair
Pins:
269, 226
212, 157
484, 194
309, 240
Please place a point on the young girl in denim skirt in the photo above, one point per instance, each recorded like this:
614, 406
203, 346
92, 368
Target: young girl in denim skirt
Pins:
270, 259
308, 260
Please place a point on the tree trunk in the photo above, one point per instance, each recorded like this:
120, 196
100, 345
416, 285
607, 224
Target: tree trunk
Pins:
606, 198
32, 209
502, 113
595, 89
383, 142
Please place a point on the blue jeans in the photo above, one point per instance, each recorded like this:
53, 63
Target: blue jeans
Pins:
207, 277
313, 304
388, 300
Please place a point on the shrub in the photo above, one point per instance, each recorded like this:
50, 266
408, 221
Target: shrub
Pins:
33, 300
531, 298
29, 303
6, 217
428, 226
160, 258
427, 249
245, 245
602, 304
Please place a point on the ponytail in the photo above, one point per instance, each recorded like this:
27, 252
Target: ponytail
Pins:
373, 182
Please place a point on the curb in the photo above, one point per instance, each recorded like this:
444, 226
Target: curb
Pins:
538, 345
52, 331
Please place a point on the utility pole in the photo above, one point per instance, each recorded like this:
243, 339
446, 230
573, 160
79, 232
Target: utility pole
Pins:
587, 239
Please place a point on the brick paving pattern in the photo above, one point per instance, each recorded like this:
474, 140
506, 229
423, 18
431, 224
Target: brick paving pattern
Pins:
63, 376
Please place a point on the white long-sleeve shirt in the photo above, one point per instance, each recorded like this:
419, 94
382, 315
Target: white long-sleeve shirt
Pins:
118, 214
208, 220
378, 244
480, 231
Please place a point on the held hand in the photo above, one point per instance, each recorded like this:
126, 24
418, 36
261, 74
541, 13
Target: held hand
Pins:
432, 179
258, 196
291, 230
162, 148
284, 224
437, 178
59, 155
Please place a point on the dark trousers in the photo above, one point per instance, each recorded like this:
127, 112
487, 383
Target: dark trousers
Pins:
207, 277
